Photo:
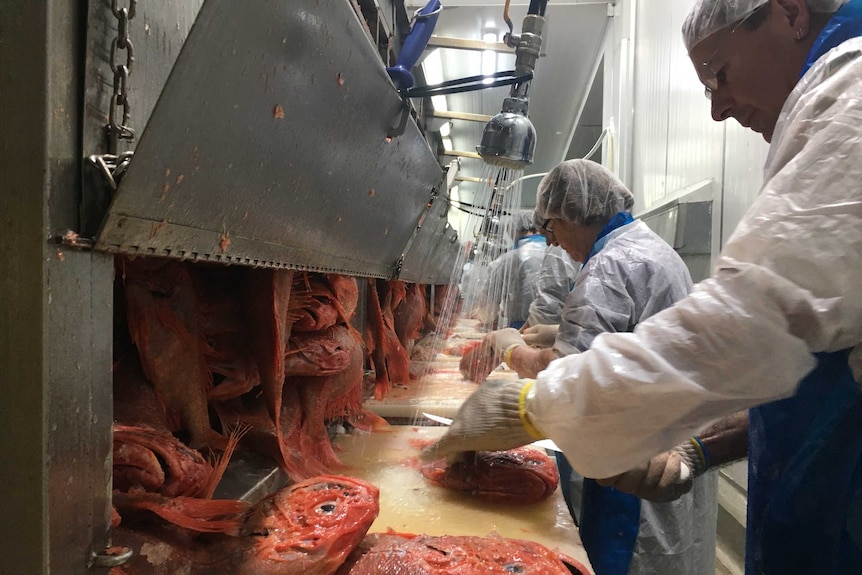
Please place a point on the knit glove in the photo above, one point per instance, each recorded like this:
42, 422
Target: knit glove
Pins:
493, 418
667, 476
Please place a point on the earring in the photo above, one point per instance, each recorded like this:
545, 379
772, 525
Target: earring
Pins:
800, 34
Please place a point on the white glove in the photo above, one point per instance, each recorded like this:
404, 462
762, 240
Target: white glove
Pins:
488, 420
666, 477
502, 339
541, 336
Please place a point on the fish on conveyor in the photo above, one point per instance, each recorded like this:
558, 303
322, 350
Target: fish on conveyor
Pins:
515, 477
308, 528
402, 554
477, 362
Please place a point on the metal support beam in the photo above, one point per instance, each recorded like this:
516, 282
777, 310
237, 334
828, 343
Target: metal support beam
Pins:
465, 44
462, 116
462, 154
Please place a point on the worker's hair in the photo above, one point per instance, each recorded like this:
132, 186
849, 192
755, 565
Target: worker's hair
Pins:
582, 192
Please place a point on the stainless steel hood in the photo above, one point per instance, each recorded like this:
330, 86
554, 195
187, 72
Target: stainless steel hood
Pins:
269, 147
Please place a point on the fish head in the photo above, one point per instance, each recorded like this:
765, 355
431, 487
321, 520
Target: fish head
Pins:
316, 522
322, 353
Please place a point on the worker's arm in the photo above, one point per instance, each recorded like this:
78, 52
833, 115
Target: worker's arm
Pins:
529, 361
669, 475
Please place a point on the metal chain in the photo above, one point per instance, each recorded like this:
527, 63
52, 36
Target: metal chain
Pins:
122, 70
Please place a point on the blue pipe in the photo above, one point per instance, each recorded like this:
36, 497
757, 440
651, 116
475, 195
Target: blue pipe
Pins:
537, 7
414, 45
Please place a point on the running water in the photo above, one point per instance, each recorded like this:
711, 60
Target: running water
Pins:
483, 287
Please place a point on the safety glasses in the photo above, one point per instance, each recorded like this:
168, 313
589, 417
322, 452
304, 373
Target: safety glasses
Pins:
710, 77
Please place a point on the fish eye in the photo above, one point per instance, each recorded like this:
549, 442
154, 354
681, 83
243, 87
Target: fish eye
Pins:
514, 568
327, 507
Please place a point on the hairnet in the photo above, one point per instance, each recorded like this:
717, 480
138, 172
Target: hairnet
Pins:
582, 192
524, 223
709, 16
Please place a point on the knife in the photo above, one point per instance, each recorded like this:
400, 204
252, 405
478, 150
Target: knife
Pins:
543, 443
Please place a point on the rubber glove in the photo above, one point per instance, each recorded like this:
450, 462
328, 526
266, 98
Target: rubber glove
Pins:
541, 336
502, 340
666, 477
489, 420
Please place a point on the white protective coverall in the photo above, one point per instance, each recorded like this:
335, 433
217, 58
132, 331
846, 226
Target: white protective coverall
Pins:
788, 283
635, 275
517, 271
556, 279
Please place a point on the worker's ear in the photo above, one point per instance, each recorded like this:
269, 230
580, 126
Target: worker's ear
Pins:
797, 16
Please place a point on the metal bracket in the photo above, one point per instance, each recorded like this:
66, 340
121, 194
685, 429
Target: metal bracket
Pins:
396, 131
112, 166
110, 557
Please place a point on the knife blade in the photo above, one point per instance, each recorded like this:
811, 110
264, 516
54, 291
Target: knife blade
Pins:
542, 443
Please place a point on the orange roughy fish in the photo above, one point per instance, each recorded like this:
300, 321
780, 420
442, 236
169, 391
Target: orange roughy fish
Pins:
518, 476
398, 554
308, 528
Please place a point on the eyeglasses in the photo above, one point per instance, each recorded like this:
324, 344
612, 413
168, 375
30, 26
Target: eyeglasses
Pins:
708, 76
545, 225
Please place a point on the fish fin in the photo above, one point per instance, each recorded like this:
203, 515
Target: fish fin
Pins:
220, 465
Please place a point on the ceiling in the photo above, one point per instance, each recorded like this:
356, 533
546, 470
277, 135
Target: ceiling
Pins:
567, 116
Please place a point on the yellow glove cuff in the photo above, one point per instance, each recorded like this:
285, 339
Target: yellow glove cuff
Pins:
507, 355
522, 411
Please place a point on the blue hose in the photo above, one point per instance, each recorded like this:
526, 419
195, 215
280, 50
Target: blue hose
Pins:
414, 45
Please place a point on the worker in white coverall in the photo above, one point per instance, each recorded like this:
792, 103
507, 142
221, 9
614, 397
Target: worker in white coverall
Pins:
777, 326
629, 273
556, 279
514, 275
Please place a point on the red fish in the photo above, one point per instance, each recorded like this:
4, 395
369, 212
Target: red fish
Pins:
161, 308
477, 362
387, 354
306, 529
409, 315
517, 476
399, 554
318, 353
267, 295
155, 461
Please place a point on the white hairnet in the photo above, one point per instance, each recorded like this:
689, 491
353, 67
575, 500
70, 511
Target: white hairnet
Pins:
524, 223
709, 16
582, 192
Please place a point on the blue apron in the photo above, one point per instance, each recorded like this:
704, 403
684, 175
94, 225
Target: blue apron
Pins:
610, 519
805, 452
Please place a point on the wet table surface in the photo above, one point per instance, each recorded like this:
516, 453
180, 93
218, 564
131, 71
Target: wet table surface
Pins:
409, 504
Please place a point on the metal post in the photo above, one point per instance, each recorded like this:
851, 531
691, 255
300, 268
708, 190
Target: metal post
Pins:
56, 309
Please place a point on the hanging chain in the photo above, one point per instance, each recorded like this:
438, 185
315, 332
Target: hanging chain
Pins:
120, 98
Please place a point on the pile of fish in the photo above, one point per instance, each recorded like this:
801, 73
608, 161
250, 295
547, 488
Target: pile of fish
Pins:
400, 554
206, 348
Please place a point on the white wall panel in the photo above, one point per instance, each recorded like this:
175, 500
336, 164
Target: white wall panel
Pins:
745, 155
677, 145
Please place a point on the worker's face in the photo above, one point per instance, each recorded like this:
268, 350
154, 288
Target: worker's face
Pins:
752, 72
576, 240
